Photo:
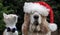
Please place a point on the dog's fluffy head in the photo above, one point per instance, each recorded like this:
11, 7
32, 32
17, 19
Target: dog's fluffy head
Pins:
40, 24
35, 10
10, 19
37, 17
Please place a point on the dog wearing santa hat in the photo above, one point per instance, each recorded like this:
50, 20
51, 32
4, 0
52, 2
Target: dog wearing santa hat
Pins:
10, 21
35, 19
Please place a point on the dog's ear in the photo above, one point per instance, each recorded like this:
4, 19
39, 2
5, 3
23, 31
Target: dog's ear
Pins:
44, 25
44, 29
26, 17
4, 15
26, 23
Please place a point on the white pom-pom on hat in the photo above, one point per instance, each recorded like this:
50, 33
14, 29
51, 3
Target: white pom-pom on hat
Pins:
52, 27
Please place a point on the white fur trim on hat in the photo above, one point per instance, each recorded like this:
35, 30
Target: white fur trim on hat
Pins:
32, 7
52, 27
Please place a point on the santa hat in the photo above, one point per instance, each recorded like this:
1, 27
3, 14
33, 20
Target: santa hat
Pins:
42, 8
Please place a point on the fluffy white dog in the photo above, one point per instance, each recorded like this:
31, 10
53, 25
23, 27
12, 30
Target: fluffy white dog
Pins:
10, 21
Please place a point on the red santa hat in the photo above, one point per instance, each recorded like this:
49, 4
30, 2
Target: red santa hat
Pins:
42, 8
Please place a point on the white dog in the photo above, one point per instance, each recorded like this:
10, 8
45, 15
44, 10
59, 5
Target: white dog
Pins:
10, 21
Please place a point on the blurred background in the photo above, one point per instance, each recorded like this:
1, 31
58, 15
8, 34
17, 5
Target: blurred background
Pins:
16, 7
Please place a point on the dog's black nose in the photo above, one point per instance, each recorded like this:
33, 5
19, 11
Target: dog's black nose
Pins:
36, 17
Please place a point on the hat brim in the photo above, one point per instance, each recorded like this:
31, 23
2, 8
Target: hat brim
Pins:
32, 7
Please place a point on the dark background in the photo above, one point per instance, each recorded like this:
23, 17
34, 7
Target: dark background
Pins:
16, 7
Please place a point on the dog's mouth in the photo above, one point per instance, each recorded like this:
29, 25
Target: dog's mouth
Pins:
36, 23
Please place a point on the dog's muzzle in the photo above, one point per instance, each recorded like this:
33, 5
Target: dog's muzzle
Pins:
36, 23
36, 19
11, 30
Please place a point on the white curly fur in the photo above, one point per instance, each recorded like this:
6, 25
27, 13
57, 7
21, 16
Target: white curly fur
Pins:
10, 21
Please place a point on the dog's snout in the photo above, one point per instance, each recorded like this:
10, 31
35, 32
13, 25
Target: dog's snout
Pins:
36, 17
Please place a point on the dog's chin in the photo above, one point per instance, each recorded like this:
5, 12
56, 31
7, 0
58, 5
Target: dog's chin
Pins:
35, 26
39, 28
